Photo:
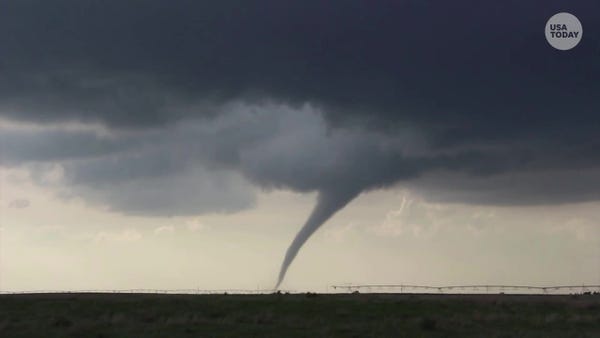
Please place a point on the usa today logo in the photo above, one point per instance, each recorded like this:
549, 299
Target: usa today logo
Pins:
563, 31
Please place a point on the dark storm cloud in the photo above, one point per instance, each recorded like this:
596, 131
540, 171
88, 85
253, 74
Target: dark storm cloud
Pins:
20, 145
519, 187
475, 85
467, 70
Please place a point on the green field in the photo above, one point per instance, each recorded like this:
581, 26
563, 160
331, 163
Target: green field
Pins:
298, 315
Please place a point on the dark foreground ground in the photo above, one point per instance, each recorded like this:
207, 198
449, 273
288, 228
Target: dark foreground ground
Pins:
299, 315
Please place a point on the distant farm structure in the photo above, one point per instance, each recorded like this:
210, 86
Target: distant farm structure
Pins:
470, 289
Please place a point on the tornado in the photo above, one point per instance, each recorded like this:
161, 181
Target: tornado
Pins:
328, 203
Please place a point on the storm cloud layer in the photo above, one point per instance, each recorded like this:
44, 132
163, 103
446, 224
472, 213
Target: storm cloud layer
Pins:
466, 93
464, 74
185, 107
467, 71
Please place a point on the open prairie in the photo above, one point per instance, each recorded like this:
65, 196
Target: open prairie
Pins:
299, 315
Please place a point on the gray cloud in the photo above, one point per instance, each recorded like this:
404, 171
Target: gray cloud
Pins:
20, 203
272, 146
512, 188
186, 193
51, 144
457, 72
206, 165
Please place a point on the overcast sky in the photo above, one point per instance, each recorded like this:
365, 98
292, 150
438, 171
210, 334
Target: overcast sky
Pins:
183, 144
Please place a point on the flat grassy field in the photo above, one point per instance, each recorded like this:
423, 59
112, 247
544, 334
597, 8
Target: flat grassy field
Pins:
298, 315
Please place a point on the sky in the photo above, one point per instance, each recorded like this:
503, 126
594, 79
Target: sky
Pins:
178, 144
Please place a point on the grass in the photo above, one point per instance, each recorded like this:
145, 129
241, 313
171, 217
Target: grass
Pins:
298, 315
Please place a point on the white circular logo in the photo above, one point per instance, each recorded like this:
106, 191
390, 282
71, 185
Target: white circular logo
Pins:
563, 31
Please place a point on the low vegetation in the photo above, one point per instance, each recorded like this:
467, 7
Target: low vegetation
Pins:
298, 315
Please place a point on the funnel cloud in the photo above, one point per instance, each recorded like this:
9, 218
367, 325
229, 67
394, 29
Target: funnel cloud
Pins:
328, 203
